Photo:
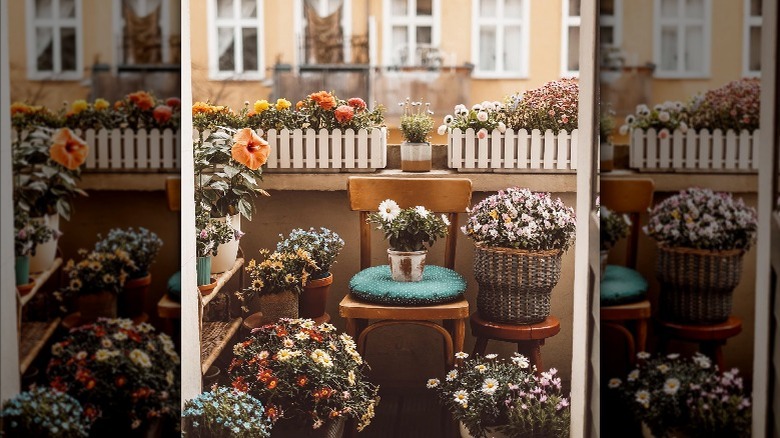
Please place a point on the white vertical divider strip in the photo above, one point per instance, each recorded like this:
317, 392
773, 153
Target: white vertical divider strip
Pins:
190, 327
9, 343
297, 151
456, 146
651, 160
482, 152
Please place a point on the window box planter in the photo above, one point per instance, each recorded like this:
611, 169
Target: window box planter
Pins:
520, 151
694, 151
327, 151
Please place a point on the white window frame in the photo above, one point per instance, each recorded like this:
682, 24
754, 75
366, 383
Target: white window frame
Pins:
56, 23
412, 21
300, 30
614, 21
500, 21
680, 23
237, 24
165, 30
748, 22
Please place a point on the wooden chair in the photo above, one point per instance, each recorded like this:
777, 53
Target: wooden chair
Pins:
450, 196
631, 197
711, 337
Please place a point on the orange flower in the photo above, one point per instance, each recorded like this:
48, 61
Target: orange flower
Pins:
302, 381
324, 99
20, 108
120, 381
240, 385
201, 108
344, 114
271, 412
68, 150
173, 102
299, 105
272, 384
249, 149
90, 384
162, 113
142, 100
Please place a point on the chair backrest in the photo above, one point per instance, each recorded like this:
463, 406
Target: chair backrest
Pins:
173, 192
632, 197
441, 195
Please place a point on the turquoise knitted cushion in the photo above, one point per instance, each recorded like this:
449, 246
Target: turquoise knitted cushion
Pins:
622, 285
174, 286
439, 285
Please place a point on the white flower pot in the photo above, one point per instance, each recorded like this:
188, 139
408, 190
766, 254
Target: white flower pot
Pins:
226, 252
490, 431
406, 266
46, 252
415, 157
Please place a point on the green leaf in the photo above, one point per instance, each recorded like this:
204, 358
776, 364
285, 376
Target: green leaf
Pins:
245, 208
231, 171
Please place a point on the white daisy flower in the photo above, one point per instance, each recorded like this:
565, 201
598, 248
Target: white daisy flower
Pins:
102, 355
477, 107
643, 398
432, 383
623, 130
481, 368
633, 375
461, 355
140, 358
442, 130
671, 386
702, 361
288, 343
489, 386
301, 336
673, 356
614, 382
452, 375
422, 211
461, 396
448, 119
389, 210
491, 356
643, 355
520, 361
284, 355
446, 221
663, 368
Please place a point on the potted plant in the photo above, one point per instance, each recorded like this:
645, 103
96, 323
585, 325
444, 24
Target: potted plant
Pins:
409, 231
606, 149
702, 236
309, 377
323, 247
416, 125
675, 396
225, 413
44, 412
277, 280
124, 373
493, 397
96, 280
613, 227
520, 237
142, 247
28, 235
210, 237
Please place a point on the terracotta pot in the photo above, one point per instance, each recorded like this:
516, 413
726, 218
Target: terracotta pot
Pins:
406, 265
277, 306
313, 299
131, 300
94, 306
415, 157
226, 252
46, 252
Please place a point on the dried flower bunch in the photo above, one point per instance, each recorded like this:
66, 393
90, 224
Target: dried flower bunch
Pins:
409, 229
29, 233
225, 413
118, 370
487, 392
304, 372
98, 271
613, 227
44, 412
690, 395
552, 106
323, 247
416, 121
703, 219
142, 247
212, 233
519, 218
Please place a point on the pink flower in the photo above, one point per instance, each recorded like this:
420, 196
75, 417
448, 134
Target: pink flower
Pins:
173, 102
344, 114
357, 103
162, 113
482, 134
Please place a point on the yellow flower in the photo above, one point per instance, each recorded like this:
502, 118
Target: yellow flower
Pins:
101, 104
282, 104
493, 214
261, 105
75, 284
78, 106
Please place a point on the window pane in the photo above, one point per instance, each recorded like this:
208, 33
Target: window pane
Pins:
43, 9
487, 8
574, 8
424, 35
424, 7
68, 46
226, 49
44, 45
754, 63
250, 48
225, 8
487, 48
573, 57
755, 8
607, 35
399, 7
607, 7
513, 8
668, 48
400, 45
249, 8
669, 8
694, 49
67, 8
694, 9
513, 46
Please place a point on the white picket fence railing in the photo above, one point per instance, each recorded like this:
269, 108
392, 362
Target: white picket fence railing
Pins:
694, 151
513, 151
130, 150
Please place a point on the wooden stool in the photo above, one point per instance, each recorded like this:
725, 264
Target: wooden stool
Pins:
528, 337
711, 338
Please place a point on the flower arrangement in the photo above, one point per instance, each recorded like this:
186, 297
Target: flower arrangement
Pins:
668, 392
486, 392
482, 118
278, 272
416, 123
323, 247
28, 233
45, 412
702, 219
521, 219
118, 370
735, 105
211, 234
552, 106
325, 110
304, 372
225, 413
98, 272
664, 118
409, 229
142, 247
613, 227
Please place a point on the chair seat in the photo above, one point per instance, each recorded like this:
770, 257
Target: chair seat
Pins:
439, 285
621, 285
174, 287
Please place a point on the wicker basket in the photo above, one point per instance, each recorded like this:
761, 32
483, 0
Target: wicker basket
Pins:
515, 285
697, 285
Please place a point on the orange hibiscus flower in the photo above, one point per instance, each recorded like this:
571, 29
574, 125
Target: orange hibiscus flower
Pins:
249, 149
68, 150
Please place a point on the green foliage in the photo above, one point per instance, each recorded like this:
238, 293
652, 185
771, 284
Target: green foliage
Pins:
416, 122
409, 229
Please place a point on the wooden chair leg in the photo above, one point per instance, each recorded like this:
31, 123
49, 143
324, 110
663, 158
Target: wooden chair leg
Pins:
480, 346
459, 334
532, 350
641, 335
714, 350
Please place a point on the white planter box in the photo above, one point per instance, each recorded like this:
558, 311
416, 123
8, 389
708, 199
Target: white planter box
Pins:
694, 151
520, 151
327, 151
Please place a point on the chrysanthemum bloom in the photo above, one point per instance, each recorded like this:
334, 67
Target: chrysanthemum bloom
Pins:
299, 105
20, 108
78, 106
357, 103
324, 99
142, 100
249, 149
282, 104
162, 113
201, 108
67, 149
173, 102
101, 104
261, 105
344, 114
